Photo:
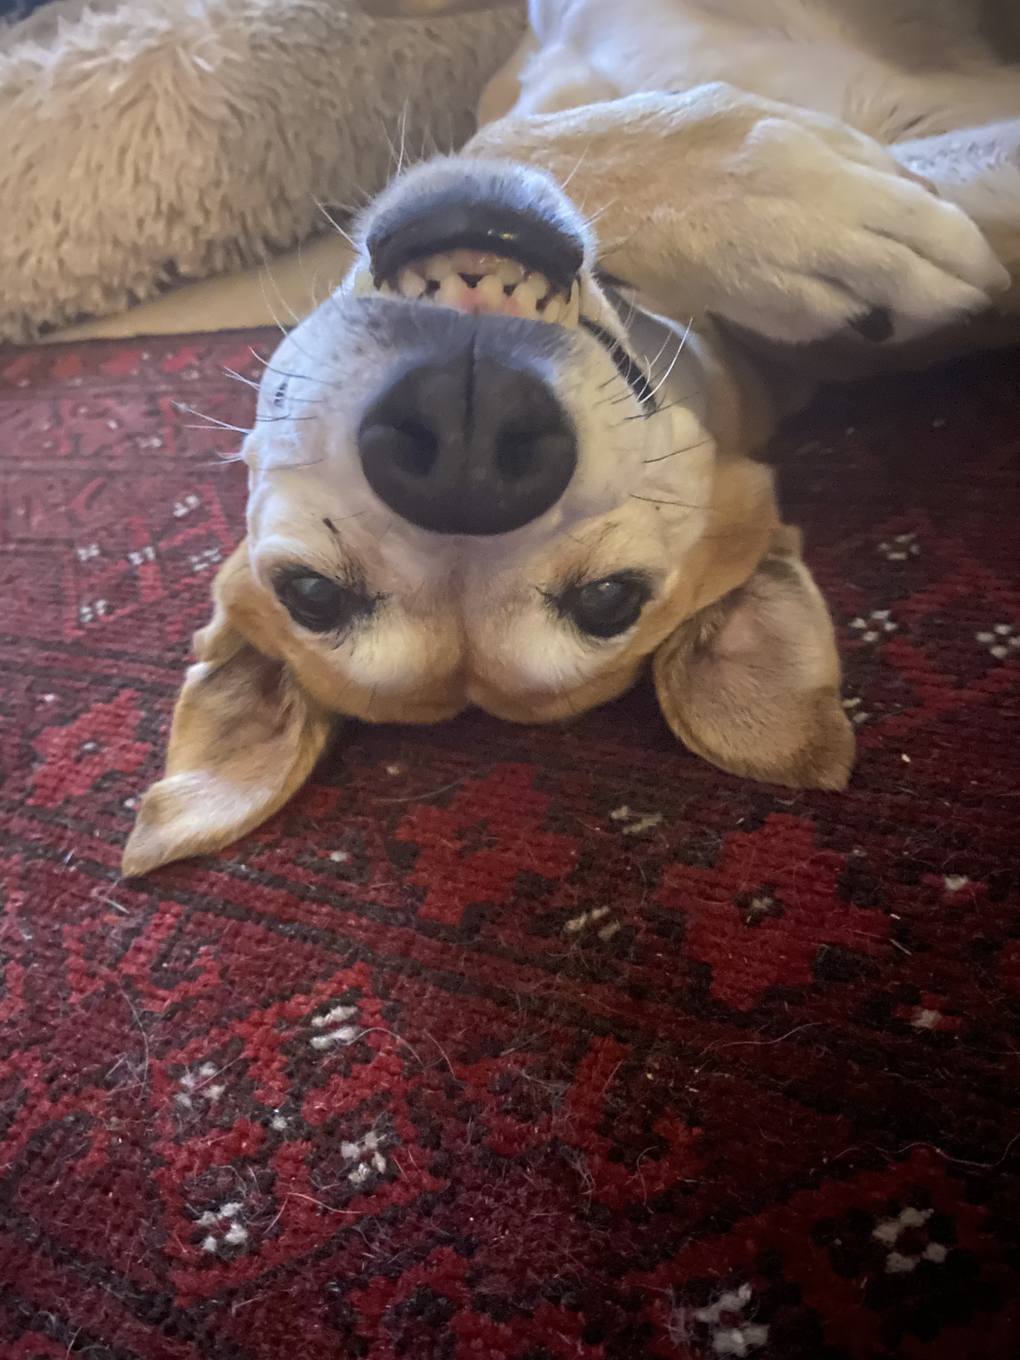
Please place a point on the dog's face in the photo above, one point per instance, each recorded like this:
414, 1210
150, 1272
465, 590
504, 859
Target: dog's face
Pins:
475, 479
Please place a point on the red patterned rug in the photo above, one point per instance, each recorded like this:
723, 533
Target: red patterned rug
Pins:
501, 1042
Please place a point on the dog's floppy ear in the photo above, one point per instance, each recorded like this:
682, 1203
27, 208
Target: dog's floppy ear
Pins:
244, 738
751, 683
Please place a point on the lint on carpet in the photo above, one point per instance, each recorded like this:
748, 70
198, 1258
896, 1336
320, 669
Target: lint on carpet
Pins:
504, 1043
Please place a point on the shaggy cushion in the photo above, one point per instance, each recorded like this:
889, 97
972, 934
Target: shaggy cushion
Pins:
153, 141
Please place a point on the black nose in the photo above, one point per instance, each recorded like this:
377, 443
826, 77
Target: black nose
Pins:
471, 446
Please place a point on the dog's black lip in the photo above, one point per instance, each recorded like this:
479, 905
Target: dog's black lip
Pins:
628, 368
493, 227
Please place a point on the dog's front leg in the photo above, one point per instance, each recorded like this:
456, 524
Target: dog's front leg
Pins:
787, 223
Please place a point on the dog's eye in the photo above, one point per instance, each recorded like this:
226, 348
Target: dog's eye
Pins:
319, 604
605, 608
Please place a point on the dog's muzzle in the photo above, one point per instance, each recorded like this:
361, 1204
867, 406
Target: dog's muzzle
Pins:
468, 446
474, 440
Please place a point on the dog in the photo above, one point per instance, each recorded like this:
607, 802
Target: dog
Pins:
509, 462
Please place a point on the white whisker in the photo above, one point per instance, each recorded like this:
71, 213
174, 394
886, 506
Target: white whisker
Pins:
676, 356
211, 421
269, 306
247, 381
403, 134
334, 223
577, 167
650, 368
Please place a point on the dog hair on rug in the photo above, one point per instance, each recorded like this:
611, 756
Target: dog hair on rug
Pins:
151, 142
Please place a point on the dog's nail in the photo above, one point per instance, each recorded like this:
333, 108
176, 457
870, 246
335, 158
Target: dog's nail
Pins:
875, 325
923, 180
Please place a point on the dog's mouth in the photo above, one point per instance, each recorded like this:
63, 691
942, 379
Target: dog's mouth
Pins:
478, 283
480, 259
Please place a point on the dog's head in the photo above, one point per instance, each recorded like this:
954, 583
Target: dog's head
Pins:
475, 478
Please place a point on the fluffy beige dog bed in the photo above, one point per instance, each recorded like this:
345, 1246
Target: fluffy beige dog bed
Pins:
154, 141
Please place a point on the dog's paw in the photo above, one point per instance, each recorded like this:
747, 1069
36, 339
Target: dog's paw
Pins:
789, 223
827, 233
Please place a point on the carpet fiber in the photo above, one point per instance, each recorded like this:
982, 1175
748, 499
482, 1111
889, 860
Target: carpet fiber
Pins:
505, 1042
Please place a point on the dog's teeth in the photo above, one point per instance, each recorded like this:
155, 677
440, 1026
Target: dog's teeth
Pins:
528, 294
453, 291
509, 271
363, 283
473, 261
490, 291
537, 285
438, 268
527, 305
412, 284
477, 281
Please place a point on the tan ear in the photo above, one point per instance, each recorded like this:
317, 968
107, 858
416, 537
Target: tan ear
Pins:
752, 682
244, 738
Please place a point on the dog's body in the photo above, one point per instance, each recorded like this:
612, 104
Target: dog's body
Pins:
465, 492
895, 69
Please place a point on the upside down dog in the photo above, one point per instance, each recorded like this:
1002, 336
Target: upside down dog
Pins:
509, 461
